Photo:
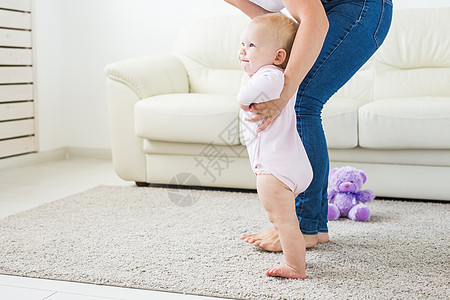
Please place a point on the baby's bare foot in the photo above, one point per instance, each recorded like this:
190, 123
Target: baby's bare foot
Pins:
286, 271
267, 239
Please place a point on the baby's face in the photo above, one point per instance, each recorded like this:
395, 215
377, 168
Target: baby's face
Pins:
258, 48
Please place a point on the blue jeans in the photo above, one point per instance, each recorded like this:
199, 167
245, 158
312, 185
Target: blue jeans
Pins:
356, 30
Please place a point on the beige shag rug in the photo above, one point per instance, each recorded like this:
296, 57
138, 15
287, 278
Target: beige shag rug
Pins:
187, 241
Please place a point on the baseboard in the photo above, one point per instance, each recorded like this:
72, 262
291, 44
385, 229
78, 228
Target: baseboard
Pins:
32, 158
52, 155
88, 153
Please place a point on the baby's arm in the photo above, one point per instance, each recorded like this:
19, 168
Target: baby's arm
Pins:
264, 87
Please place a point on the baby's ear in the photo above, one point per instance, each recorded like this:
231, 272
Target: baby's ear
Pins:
280, 57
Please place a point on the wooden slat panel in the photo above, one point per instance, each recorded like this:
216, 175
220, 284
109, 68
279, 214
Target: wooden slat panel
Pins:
16, 128
15, 19
10, 93
16, 74
17, 146
24, 5
13, 111
9, 57
15, 38
15, 26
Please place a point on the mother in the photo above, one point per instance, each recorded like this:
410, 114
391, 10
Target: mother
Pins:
334, 39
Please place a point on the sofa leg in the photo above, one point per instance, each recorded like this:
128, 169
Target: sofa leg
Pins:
142, 184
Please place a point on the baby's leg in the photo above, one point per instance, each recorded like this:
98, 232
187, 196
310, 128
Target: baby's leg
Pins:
279, 202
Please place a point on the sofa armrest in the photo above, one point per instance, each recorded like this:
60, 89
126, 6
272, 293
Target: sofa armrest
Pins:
150, 75
128, 82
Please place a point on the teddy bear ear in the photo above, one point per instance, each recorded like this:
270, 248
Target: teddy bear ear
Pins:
332, 172
364, 177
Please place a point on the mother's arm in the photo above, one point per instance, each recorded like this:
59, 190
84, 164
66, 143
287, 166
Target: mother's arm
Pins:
305, 50
249, 8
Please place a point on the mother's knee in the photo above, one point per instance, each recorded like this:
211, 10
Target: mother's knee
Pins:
309, 106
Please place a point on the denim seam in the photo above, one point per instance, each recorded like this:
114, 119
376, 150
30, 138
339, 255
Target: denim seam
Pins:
328, 56
378, 26
362, 10
302, 195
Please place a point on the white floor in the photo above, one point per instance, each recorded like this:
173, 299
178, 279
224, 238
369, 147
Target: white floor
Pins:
25, 187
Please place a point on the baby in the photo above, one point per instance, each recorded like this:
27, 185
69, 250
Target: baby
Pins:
276, 154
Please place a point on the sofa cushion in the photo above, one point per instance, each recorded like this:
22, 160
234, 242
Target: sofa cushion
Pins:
414, 60
208, 50
340, 122
188, 118
412, 45
405, 123
400, 83
194, 149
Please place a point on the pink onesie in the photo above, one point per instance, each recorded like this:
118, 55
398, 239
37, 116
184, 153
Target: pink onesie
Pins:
278, 149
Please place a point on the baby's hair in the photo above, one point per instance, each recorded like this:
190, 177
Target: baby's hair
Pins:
284, 29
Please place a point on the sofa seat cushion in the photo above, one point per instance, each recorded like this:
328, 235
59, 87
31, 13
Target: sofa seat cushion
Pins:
412, 157
195, 150
188, 118
405, 123
340, 122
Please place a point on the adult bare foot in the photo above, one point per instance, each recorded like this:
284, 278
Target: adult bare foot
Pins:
285, 271
311, 240
267, 239
323, 237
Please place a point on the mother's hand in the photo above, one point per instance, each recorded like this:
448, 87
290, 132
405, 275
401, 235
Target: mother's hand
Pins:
270, 110
266, 110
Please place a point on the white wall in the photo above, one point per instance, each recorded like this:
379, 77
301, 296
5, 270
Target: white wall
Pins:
74, 41
48, 59
111, 31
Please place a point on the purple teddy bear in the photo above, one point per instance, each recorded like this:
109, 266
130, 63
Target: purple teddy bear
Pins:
345, 196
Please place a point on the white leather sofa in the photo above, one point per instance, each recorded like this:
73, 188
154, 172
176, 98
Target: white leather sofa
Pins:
174, 117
